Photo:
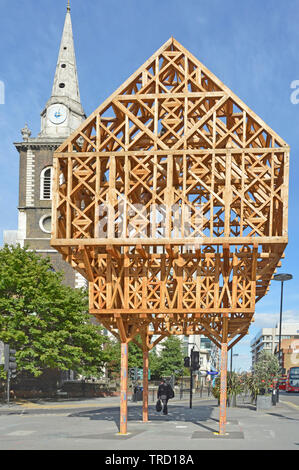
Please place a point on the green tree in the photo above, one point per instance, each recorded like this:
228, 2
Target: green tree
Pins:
266, 370
113, 352
171, 358
155, 364
45, 321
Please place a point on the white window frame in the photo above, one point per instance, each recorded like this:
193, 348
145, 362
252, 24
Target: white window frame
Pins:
42, 184
41, 223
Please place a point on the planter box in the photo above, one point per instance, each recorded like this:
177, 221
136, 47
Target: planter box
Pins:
263, 402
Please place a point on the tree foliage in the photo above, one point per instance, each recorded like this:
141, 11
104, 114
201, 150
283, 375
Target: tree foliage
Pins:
266, 370
170, 360
113, 352
236, 384
46, 321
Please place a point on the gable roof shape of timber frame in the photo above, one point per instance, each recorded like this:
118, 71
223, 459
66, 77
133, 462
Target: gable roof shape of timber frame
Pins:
172, 43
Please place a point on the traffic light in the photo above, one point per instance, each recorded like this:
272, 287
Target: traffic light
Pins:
10, 364
186, 361
133, 373
195, 360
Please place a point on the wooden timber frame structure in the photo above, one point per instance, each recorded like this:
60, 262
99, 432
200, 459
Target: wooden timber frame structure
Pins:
173, 135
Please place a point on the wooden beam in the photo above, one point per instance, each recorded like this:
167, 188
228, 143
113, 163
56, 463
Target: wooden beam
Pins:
124, 389
142, 252
88, 267
145, 382
223, 378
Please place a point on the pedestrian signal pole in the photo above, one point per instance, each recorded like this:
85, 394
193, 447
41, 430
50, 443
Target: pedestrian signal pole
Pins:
191, 386
194, 365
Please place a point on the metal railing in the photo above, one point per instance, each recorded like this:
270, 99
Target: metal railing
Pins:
183, 393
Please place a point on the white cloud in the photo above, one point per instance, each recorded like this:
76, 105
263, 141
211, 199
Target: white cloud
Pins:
269, 320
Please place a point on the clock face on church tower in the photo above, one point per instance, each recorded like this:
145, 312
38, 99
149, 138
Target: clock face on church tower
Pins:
57, 114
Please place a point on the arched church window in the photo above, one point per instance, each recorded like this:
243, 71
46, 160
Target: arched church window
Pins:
46, 183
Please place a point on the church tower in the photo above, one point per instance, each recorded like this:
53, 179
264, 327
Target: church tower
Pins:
62, 115
63, 112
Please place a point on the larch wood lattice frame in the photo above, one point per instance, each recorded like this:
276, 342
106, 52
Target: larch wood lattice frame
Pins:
173, 136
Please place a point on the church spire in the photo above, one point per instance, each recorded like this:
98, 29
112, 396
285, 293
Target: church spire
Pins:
65, 90
66, 78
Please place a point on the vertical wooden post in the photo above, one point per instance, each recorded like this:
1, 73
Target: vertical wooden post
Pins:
55, 197
124, 389
223, 376
223, 389
69, 192
145, 385
223, 373
284, 195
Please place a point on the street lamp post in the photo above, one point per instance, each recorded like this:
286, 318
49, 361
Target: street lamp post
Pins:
231, 359
231, 366
282, 278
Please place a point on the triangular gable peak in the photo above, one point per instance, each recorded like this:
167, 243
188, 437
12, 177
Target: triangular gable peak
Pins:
172, 102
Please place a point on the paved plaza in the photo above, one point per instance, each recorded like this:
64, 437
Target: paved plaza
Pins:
94, 425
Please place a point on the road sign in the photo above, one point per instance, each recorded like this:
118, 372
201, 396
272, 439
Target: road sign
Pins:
137, 374
140, 374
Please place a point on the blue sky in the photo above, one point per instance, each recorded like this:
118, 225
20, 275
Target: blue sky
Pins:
251, 46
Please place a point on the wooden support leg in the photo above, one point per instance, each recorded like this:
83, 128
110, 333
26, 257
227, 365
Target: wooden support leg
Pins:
124, 389
223, 389
145, 385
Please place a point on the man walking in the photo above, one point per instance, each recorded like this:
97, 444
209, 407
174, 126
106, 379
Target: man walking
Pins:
165, 392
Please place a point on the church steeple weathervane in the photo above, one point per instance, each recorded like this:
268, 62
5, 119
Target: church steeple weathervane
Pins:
63, 112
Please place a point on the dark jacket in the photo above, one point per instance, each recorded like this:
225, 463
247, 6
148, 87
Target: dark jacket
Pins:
165, 390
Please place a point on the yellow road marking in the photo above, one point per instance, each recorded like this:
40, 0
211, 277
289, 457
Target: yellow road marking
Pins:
45, 407
291, 404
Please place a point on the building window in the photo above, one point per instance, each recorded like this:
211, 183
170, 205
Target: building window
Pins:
46, 184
